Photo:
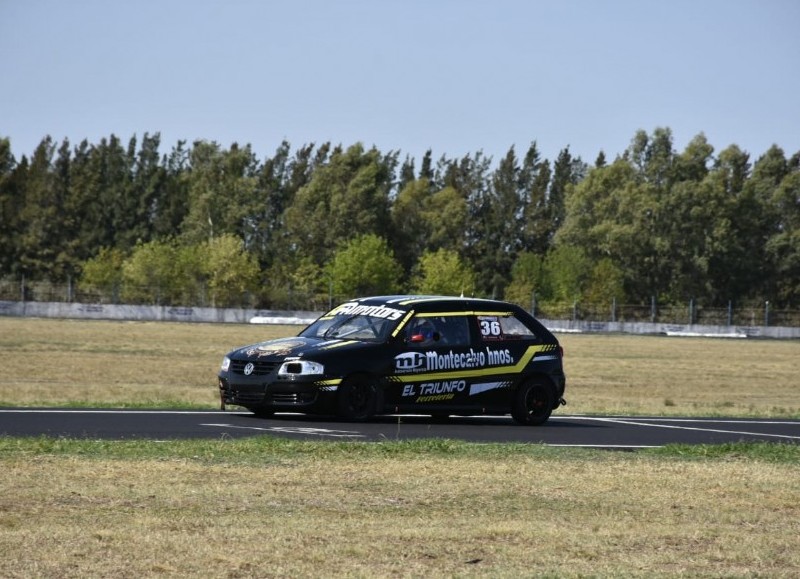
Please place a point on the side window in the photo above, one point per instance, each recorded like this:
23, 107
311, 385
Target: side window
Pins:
454, 330
420, 331
503, 328
436, 331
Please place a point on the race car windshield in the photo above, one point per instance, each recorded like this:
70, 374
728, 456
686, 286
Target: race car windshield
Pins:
354, 327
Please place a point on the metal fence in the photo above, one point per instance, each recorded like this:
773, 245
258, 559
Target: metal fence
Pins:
691, 312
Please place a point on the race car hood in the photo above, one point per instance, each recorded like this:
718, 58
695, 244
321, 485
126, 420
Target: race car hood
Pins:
291, 347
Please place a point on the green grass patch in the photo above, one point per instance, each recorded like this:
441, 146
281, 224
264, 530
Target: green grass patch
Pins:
261, 449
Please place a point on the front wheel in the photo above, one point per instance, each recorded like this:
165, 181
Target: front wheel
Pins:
533, 403
357, 398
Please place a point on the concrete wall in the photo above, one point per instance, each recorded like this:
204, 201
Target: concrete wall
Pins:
150, 313
245, 316
568, 326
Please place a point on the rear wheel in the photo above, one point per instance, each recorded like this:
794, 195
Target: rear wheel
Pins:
533, 403
357, 398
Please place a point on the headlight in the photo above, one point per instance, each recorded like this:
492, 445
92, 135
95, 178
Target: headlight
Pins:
300, 368
226, 363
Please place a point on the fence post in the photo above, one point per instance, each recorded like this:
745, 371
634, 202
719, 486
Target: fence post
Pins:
575, 311
766, 313
691, 311
614, 309
653, 309
730, 313
22, 289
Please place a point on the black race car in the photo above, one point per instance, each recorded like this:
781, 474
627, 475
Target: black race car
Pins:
404, 354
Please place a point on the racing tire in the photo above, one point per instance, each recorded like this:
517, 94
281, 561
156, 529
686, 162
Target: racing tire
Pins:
533, 403
357, 399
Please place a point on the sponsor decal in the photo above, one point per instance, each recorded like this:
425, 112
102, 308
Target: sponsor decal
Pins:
275, 348
409, 361
356, 309
434, 391
180, 311
435, 398
432, 361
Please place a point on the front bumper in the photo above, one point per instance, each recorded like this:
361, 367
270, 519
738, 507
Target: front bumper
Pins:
277, 395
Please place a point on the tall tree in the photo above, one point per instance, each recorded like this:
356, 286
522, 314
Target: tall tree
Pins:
39, 216
102, 189
498, 229
528, 280
11, 200
466, 183
223, 194
445, 214
411, 231
537, 229
766, 218
613, 214
444, 273
365, 265
694, 162
347, 197
783, 247
736, 228
170, 204
147, 191
231, 271
567, 172
66, 245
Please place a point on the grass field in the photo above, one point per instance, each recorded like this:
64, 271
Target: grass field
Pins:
267, 507
73, 362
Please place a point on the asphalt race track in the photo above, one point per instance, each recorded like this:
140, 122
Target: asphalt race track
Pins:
612, 432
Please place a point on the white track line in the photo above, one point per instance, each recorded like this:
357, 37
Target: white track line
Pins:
637, 422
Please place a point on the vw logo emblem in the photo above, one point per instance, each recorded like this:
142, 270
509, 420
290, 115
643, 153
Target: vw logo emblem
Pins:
248, 369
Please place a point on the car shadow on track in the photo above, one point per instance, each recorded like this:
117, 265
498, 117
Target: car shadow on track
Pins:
477, 421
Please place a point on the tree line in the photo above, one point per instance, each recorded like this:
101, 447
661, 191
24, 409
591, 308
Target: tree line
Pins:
653, 223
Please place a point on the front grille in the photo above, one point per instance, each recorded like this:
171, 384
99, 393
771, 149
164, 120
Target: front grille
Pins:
260, 367
242, 394
292, 398
245, 398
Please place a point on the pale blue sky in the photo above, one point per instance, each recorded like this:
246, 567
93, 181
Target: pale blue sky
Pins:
455, 76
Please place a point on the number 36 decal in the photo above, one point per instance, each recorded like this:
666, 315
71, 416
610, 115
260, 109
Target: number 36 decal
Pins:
490, 328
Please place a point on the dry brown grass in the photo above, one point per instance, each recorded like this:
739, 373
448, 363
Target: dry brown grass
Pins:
521, 514
624, 374
63, 362
272, 508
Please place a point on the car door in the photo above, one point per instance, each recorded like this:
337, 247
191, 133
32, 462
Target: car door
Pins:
435, 353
